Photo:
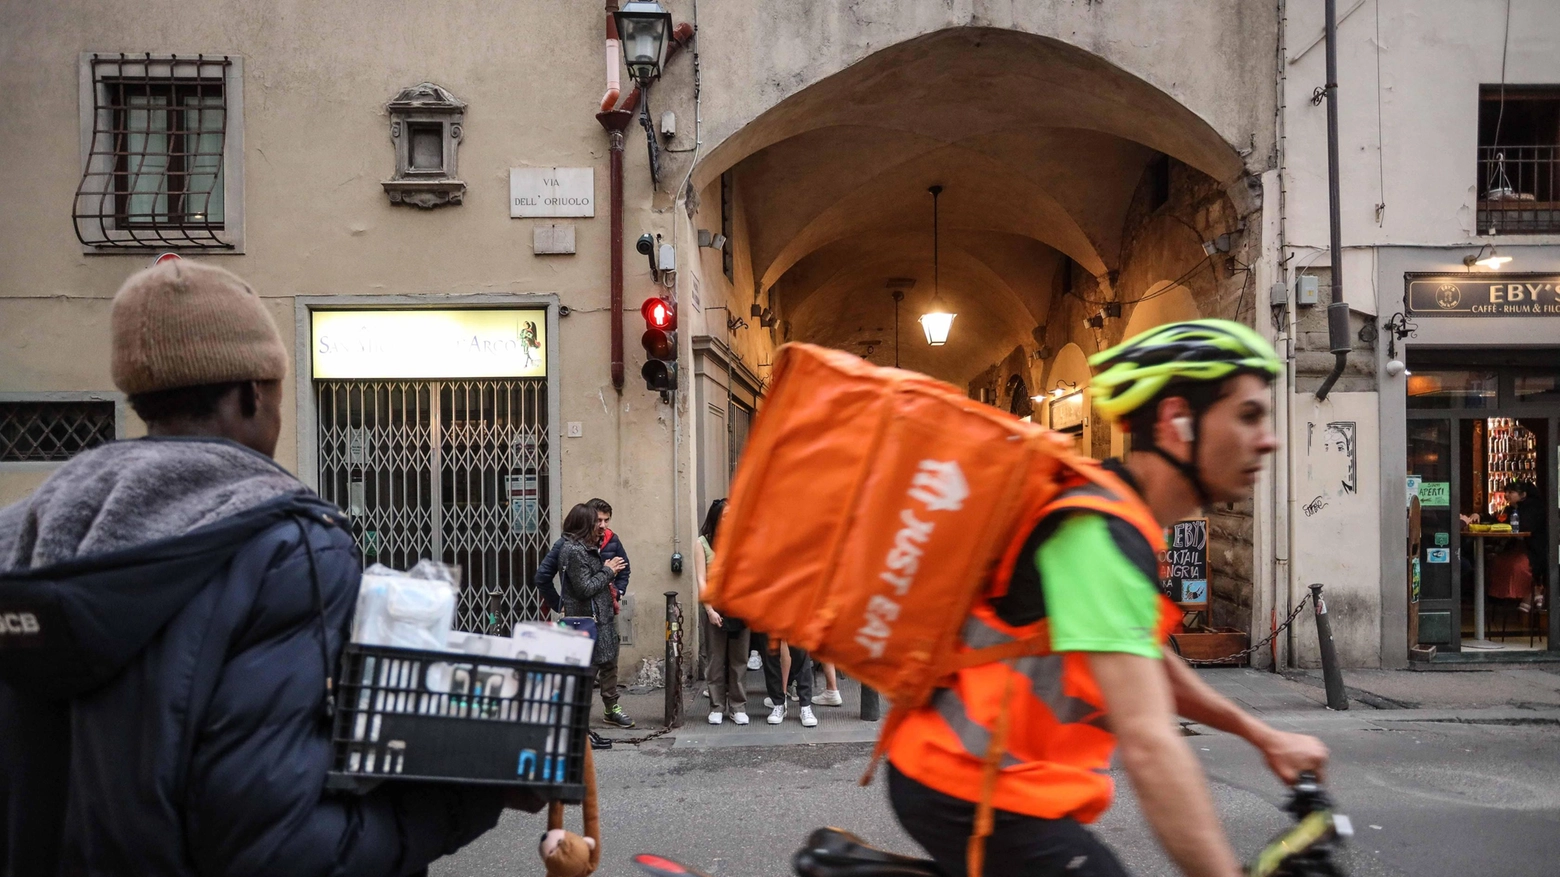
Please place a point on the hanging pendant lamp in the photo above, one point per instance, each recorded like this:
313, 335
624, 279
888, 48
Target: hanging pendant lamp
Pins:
938, 321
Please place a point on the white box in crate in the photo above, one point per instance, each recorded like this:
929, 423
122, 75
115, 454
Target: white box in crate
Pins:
552, 644
482, 644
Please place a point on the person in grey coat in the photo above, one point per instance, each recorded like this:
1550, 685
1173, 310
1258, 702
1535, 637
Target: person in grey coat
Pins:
588, 592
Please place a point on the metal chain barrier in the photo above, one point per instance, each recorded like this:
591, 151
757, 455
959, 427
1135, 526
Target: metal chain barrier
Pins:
671, 676
1229, 659
635, 741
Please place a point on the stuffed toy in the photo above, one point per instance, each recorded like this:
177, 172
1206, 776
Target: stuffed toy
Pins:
564, 853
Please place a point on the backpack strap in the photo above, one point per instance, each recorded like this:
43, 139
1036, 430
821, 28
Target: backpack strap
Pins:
985, 808
1039, 644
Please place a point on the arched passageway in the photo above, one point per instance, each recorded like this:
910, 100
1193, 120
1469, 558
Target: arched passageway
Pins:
1066, 182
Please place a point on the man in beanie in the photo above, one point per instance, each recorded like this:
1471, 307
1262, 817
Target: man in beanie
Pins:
181, 601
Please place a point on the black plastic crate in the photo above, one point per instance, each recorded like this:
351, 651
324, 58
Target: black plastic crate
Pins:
392, 722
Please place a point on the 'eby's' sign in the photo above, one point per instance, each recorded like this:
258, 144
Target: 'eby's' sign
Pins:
1488, 295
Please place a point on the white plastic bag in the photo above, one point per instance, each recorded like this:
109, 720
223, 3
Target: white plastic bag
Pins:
412, 610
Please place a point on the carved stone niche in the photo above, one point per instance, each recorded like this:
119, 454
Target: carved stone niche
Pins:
425, 126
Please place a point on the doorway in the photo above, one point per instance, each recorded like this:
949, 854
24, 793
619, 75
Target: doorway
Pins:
1486, 566
453, 470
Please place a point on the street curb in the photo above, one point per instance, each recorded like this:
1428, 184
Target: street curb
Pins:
860, 732
1382, 720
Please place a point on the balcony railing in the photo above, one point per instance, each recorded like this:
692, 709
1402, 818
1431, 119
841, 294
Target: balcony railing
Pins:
1519, 189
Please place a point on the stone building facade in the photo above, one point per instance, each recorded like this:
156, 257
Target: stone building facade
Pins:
1093, 184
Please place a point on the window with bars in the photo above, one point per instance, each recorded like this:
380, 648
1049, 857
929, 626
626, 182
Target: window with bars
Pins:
52, 432
160, 150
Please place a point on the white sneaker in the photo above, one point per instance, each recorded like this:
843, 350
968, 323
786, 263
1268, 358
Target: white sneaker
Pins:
716, 717
808, 719
829, 697
739, 718
754, 661
776, 715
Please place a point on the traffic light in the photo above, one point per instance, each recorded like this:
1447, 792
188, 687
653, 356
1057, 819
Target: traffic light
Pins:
660, 342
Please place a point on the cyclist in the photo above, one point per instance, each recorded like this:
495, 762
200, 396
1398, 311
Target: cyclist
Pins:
1194, 396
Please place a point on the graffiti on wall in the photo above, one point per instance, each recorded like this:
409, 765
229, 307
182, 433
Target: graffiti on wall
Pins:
1332, 457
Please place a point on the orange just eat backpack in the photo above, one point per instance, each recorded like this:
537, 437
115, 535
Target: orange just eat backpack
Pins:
871, 508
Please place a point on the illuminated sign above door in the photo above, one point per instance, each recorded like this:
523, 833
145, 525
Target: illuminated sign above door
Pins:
351, 345
1484, 295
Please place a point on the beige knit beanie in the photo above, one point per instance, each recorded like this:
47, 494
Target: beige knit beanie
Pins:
183, 324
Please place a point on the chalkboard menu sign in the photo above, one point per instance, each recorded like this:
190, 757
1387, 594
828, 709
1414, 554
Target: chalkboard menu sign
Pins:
1183, 565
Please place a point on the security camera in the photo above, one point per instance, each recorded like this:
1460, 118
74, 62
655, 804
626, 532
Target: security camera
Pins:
646, 245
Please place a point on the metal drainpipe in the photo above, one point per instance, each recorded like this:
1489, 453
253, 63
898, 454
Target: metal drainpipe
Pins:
614, 121
1338, 310
609, 99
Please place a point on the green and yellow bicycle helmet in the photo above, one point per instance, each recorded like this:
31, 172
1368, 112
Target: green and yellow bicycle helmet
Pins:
1138, 369
1156, 363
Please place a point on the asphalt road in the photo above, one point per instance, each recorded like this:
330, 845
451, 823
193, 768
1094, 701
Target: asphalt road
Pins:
1427, 800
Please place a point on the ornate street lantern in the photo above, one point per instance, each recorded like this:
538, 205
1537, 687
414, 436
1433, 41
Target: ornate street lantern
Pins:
643, 28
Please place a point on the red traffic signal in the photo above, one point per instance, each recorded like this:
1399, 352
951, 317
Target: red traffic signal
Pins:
660, 343
659, 314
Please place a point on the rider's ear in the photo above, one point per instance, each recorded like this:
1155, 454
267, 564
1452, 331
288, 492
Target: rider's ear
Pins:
1175, 419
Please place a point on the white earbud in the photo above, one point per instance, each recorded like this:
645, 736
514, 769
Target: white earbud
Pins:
1183, 428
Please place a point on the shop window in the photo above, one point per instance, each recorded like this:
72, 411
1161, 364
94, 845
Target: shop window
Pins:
1536, 387
163, 150
426, 128
1519, 154
53, 432
1452, 389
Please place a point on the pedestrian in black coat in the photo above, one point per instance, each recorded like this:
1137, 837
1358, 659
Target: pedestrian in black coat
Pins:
611, 547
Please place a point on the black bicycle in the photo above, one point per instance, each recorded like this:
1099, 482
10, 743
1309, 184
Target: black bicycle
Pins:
1305, 849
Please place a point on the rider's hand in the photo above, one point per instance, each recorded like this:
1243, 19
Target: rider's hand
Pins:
1288, 755
715, 618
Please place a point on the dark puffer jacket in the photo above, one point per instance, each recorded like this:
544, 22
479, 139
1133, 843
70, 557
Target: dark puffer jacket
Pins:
587, 590
163, 710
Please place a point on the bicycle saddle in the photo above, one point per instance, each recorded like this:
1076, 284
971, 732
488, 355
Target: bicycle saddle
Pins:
833, 853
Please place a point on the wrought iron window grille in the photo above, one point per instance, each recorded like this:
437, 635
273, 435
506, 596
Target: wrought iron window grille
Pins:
52, 432
156, 172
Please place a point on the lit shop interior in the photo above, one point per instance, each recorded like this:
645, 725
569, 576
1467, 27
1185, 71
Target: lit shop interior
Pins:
1482, 467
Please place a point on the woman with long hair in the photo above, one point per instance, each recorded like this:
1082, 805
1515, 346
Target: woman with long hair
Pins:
728, 636
587, 592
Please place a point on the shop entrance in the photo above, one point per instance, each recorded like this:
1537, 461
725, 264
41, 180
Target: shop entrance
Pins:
454, 470
1486, 565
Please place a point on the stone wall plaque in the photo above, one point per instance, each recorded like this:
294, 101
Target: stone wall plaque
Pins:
552, 191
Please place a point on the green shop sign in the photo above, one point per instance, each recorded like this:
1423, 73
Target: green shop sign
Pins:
1435, 494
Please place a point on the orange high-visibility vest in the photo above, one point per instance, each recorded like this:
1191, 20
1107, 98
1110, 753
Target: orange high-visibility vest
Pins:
1044, 713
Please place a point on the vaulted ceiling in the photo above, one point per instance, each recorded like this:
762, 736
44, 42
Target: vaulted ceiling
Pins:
1039, 148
